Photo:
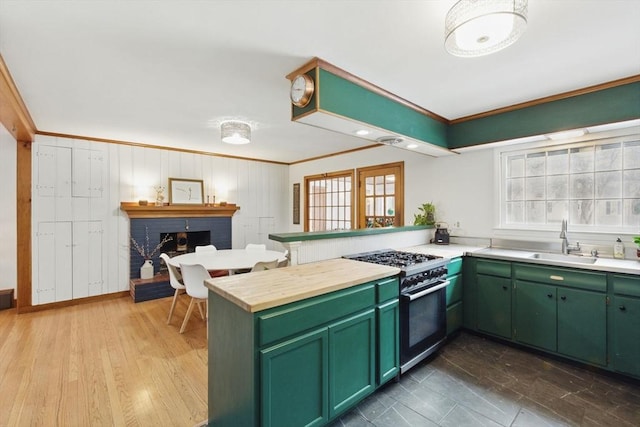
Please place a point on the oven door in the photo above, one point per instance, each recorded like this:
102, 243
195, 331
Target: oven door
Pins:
423, 323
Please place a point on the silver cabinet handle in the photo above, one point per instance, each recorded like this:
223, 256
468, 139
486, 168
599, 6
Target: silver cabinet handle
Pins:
558, 278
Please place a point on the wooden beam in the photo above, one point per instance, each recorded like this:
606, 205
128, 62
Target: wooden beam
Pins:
13, 112
23, 224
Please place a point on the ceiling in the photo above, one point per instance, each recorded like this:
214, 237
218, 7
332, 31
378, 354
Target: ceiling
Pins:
167, 72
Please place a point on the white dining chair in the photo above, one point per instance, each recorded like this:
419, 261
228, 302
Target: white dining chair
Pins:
175, 280
265, 265
256, 247
285, 262
206, 248
194, 276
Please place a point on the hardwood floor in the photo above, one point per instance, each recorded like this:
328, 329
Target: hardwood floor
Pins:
111, 363
116, 363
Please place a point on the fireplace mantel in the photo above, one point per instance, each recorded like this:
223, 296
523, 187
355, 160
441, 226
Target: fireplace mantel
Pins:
134, 210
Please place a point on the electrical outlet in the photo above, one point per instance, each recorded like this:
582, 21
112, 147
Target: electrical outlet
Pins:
456, 224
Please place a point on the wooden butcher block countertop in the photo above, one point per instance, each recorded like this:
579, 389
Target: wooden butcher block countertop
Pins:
271, 288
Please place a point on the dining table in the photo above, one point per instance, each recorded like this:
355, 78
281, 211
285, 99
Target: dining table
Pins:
228, 259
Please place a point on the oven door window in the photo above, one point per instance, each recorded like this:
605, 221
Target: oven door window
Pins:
423, 322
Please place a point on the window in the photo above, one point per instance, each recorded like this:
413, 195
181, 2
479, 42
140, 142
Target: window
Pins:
593, 184
329, 201
330, 198
381, 195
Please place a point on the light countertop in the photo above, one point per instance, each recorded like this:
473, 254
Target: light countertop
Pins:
626, 266
271, 288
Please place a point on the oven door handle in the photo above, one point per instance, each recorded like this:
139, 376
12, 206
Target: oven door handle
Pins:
427, 291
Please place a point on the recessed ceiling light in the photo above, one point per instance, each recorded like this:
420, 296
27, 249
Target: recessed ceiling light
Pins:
362, 132
574, 133
412, 146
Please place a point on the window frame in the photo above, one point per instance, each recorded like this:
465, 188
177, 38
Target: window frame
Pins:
592, 140
324, 176
357, 189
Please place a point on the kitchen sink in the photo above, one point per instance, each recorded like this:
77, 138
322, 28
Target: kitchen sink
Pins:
564, 258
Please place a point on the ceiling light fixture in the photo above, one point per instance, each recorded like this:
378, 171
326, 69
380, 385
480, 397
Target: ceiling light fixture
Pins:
235, 132
558, 136
362, 132
480, 27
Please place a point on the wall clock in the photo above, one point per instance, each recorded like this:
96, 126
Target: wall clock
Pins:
302, 88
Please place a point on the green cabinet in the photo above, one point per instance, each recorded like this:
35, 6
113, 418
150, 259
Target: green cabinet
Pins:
493, 297
586, 315
454, 296
562, 310
388, 315
303, 363
625, 324
535, 315
352, 362
294, 379
582, 325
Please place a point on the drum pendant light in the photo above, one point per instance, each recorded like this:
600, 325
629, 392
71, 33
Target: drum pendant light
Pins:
235, 132
480, 27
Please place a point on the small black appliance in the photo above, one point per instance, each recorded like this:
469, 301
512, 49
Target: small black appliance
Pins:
442, 235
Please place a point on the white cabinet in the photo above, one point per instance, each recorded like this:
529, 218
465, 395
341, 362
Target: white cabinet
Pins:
53, 271
87, 259
69, 219
87, 172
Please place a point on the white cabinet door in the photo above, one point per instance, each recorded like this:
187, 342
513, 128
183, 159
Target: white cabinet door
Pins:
53, 272
88, 169
87, 258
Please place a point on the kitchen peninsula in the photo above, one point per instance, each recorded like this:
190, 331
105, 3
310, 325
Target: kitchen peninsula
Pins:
302, 344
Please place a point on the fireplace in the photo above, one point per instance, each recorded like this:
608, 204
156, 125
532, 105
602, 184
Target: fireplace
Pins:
185, 241
186, 234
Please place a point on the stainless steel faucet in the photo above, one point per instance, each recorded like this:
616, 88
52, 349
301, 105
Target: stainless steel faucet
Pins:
566, 247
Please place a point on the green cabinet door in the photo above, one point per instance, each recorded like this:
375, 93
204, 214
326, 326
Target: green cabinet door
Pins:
454, 318
535, 314
388, 341
352, 361
494, 305
582, 325
294, 381
625, 338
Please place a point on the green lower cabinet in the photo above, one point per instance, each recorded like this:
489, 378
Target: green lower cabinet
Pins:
454, 317
582, 325
535, 315
625, 331
494, 305
294, 381
352, 361
388, 341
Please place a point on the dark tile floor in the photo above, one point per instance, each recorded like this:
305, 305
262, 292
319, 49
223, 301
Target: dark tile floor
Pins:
475, 381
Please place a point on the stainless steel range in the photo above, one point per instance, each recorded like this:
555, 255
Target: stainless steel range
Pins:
423, 316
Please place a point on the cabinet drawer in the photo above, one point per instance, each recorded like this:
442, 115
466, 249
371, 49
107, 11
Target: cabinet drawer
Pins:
494, 268
295, 318
580, 279
388, 289
626, 285
454, 267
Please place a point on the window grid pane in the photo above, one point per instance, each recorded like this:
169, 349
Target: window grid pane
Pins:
595, 183
329, 202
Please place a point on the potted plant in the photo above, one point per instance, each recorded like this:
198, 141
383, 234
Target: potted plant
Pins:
427, 215
636, 240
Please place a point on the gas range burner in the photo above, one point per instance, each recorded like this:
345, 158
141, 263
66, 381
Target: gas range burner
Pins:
408, 262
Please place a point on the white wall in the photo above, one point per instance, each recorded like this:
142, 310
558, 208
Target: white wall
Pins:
461, 185
258, 188
8, 248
